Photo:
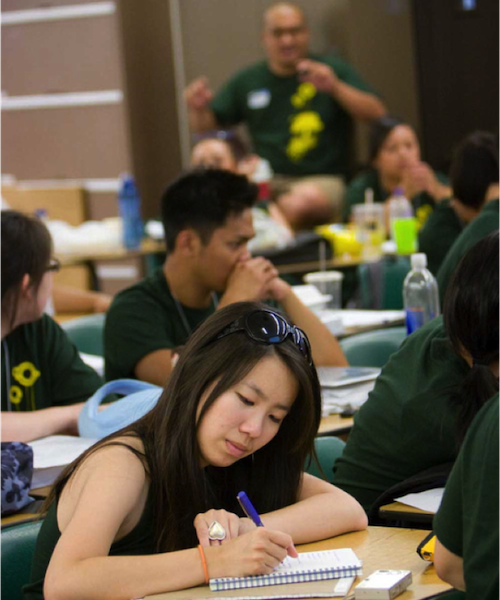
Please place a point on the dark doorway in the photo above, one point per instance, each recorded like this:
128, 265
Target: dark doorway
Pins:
456, 44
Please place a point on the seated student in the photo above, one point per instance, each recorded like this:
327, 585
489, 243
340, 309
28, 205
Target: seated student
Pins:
475, 175
240, 412
466, 525
395, 162
487, 221
229, 153
207, 220
430, 390
66, 299
41, 369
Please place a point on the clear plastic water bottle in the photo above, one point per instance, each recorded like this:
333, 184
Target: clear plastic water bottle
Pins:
420, 294
130, 211
399, 208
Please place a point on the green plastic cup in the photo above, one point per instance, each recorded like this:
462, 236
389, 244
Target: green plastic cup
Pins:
405, 235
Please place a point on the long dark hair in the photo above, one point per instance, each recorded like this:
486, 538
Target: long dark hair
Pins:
180, 488
26, 249
379, 132
471, 322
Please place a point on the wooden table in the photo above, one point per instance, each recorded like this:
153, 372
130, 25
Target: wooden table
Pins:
399, 511
377, 547
337, 262
336, 425
148, 246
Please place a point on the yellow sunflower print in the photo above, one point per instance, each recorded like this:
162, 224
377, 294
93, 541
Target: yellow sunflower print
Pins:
16, 394
26, 374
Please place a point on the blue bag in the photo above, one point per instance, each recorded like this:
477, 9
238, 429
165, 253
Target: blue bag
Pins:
140, 397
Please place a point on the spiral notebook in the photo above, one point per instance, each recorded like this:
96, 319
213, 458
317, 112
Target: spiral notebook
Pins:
310, 566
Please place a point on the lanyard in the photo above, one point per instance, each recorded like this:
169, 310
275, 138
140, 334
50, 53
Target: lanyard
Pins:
7, 373
182, 314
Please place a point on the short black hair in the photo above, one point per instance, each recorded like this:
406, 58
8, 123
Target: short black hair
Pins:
379, 131
203, 199
474, 168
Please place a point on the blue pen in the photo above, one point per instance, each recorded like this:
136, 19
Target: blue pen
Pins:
249, 509
251, 513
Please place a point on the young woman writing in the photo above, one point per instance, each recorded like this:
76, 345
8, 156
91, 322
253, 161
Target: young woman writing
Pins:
240, 412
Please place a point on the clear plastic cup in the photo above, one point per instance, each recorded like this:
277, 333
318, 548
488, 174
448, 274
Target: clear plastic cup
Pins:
370, 230
328, 283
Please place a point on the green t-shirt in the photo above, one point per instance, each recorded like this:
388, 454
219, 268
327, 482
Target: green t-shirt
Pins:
438, 234
423, 203
142, 319
299, 130
407, 424
484, 224
139, 541
467, 521
44, 368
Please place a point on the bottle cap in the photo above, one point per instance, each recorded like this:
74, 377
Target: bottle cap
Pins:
419, 260
127, 185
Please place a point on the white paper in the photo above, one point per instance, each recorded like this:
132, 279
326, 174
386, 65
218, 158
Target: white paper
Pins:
94, 361
429, 500
310, 295
362, 318
322, 559
337, 400
58, 450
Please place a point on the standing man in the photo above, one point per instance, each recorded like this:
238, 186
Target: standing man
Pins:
298, 108
207, 220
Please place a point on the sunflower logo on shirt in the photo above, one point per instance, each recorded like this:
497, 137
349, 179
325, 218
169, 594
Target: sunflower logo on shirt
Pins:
26, 374
305, 126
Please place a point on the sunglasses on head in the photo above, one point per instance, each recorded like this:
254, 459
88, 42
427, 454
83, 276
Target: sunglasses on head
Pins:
268, 327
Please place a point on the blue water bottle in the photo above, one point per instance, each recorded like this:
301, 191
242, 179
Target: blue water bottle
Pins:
130, 211
420, 294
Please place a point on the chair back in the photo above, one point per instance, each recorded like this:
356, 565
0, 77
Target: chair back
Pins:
87, 333
328, 449
18, 548
381, 283
373, 348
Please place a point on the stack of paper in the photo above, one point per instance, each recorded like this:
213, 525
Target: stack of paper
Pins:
52, 454
345, 388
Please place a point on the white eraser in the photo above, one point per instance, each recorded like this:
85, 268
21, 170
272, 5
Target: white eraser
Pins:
383, 585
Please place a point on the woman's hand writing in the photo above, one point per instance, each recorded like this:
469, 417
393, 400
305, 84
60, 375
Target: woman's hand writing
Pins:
255, 553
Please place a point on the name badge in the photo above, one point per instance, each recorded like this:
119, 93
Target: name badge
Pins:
259, 99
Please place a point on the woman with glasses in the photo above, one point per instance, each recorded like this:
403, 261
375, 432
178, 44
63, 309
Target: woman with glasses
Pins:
239, 413
43, 377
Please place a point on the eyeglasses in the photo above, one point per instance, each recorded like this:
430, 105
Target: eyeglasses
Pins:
54, 265
268, 327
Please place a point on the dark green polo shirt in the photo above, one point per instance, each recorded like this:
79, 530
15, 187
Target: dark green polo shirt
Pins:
407, 424
44, 368
438, 234
142, 319
484, 224
467, 520
299, 130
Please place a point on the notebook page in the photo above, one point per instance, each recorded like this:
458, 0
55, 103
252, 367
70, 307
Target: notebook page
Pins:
310, 566
324, 559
